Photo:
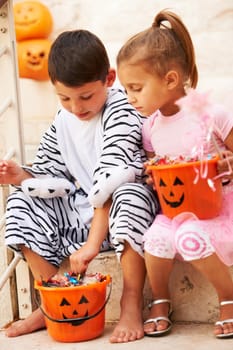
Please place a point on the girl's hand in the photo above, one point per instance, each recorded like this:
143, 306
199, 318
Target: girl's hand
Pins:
225, 165
148, 172
81, 258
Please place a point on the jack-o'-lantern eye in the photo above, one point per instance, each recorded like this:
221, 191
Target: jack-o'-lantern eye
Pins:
162, 183
64, 302
83, 300
177, 181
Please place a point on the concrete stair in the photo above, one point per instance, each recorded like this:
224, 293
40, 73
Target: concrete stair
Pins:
195, 309
182, 337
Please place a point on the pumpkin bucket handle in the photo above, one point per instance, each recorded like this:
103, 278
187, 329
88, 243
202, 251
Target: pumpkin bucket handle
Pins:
79, 319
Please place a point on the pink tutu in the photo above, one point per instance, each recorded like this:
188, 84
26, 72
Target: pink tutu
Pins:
197, 238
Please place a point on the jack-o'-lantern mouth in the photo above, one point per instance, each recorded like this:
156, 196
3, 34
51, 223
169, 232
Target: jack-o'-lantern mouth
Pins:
26, 23
34, 65
76, 322
174, 204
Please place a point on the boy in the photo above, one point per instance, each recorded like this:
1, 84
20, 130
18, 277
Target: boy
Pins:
84, 192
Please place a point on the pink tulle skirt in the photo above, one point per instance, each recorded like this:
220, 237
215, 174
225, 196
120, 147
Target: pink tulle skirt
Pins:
167, 237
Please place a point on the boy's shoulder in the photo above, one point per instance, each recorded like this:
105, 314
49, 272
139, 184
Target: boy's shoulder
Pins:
114, 95
117, 102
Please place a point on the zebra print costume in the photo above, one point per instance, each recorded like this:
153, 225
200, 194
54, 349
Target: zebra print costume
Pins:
99, 158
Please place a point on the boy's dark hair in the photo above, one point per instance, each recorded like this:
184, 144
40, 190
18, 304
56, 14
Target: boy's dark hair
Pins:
77, 57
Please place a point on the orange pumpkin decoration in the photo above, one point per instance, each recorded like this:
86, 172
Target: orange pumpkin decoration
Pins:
33, 58
178, 192
32, 19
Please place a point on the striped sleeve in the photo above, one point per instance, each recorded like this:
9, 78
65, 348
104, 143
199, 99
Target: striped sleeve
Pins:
49, 161
122, 156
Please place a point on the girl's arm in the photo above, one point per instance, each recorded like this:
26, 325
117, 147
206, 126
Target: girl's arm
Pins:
149, 180
80, 259
149, 155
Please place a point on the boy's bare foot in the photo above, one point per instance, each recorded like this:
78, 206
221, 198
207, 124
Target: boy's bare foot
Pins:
32, 323
130, 325
226, 313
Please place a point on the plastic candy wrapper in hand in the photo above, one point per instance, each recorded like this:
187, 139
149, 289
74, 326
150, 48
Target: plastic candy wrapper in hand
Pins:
69, 279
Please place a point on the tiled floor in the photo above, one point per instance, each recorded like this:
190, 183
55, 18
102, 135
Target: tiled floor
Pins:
182, 337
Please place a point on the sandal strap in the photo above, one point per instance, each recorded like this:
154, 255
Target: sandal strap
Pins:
161, 301
221, 323
157, 319
226, 302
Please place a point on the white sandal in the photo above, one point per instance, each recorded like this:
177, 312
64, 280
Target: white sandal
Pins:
221, 323
160, 318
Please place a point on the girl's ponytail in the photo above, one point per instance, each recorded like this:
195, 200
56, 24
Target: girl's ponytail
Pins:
168, 20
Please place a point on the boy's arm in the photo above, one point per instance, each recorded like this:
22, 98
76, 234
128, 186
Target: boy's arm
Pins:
80, 259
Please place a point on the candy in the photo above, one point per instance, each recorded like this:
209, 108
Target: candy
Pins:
69, 279
166, 160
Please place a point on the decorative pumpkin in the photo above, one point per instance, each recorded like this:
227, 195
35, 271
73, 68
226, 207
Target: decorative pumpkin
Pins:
178, 192
32, 20
33, 58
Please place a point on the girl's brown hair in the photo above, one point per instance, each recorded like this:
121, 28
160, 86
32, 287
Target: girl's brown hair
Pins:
164, 46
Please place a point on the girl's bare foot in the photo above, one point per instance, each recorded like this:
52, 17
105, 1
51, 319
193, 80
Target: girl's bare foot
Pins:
32, 323
130, 325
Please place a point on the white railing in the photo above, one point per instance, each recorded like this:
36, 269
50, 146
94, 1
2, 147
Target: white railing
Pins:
12, 147
11, 267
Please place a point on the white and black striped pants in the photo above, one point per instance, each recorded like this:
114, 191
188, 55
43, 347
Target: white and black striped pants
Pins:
54, 228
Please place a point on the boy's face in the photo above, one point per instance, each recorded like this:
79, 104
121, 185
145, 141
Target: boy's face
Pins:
83, 101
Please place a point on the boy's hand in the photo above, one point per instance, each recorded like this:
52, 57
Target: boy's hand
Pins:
11, 173
81, 258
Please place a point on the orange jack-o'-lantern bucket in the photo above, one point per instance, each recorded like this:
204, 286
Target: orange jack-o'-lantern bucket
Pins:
76, 313
182, 188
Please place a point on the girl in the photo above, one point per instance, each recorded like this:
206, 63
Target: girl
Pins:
86, 181
156, 68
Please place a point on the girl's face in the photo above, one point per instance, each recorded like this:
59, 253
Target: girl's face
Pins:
147, 92
84, 101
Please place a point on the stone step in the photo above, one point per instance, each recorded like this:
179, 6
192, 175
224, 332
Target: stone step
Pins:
193, 297
191, 336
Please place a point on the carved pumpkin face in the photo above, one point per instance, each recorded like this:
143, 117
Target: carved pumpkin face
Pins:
32, 19
68, 310
33, 58
172, 192
179, 192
